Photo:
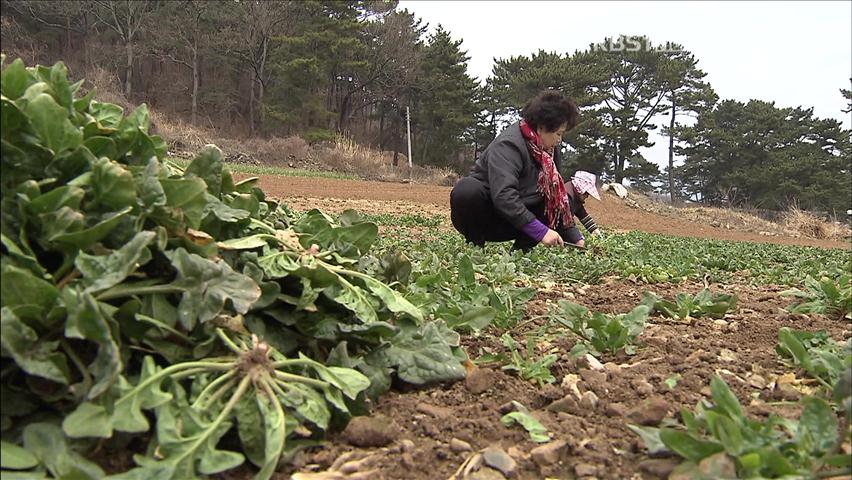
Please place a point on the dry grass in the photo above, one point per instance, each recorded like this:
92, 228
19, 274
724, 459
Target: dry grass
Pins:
794, 223
349, 157
809, 225
107, 88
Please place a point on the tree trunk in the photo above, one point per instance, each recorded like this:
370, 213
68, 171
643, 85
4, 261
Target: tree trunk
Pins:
251, 106
68, 34
195, 75
344, 114
619, 164
672, 194
260, 81
128, 71
381, 128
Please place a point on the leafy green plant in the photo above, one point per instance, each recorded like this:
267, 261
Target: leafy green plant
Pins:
772, 448
467, 303
118, 266
602, 333
265, 394
816, 353
521, 415
526, 365
686, 307
824, 296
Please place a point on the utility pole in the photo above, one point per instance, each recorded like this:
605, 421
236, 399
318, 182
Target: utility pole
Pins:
408, 127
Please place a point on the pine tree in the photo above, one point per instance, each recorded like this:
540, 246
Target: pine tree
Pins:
444, 107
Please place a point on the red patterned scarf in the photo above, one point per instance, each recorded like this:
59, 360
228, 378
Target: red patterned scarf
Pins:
550, 183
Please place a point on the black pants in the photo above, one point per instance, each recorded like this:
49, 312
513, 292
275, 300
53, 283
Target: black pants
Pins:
474, 216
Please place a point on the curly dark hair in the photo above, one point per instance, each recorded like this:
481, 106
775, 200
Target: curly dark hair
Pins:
550, 109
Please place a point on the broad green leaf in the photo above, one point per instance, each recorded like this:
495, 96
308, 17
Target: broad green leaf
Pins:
34, 356
361, 236
244, 201
15, 80
246, 243
466, 274
106, 118
66, 196
307, 403
22, 259
843, 387
82, 104
84, 238
789, 341
101, 272
725, 399
817, 426
839, 460
13, 121
651, 437
422, 355
274, 427
186, 439
61, 222
392, 299
475, 318
538, 433
250, 427
222, 211
57, 78
15, 457
50, 122
47, 442
101, 146
727, 431
354, 298
208, 285
26, 295
159, 471
207, 165
776, 462
112, 184
147, 394
149, 189
87, 320
186, 195
688, 446
88, 420
349, 381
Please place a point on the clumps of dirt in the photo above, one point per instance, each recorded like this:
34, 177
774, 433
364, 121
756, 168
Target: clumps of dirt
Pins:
591, 403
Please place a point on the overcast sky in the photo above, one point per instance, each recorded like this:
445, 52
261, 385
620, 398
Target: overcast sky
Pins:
792, 53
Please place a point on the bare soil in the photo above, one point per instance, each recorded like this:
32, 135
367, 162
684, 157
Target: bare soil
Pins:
740, 349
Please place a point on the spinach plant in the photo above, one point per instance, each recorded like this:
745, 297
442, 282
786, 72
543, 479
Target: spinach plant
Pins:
824, 296
685, 307
771, 448
601, 333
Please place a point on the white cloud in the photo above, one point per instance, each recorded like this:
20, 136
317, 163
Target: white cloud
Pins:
792, 53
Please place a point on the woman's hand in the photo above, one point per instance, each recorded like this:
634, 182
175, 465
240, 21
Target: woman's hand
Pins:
581, 243
552, 239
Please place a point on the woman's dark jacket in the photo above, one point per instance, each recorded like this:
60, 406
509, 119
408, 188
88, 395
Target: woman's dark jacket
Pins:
511, 177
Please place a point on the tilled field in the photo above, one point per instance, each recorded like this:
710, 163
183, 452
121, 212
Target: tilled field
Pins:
334, 194
430, 433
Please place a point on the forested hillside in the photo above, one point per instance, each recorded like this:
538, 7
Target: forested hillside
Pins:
318, 69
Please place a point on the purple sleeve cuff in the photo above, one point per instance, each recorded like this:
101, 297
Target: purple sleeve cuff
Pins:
535, 229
